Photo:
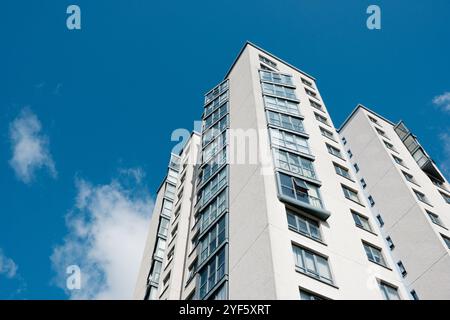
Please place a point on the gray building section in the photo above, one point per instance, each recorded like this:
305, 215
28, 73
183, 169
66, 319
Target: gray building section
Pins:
269, 201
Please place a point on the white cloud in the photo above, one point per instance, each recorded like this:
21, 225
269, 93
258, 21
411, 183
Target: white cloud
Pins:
29, 146
443, 101
8, 267
107, 230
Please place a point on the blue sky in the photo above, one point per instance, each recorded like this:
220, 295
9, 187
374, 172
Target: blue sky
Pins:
99, 105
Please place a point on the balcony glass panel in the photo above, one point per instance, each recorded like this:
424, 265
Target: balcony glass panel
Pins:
300, 190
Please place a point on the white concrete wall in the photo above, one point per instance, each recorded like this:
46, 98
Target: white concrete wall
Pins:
417, 240
261, 259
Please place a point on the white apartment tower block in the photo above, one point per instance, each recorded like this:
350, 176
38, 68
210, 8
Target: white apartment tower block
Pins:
290, 219
410, 197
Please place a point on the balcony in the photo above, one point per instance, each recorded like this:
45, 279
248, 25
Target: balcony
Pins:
416, 150
301, 194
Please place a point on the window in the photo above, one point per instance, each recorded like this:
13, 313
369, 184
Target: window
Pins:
398, 160
363, 183
435, 218
414, 295
409, 177
177, 212
216, 91
311, 93
281, 105
192, 269
361, 221
276, 77
213, 186
220, 294
212, 240
437, 183
180, 194
174, 162
402, 269
167, 208
212, 273
334, 151
174, 231
155, 272
327, 133
446, 197
163, 227
344, 141
213, 210
374, 254
446, 240
412, 144
212, 148
215, 116
350, 154
285, 121
170, 254
170, 191
389, 292
303, 225
213, 165
340, 170
321, 118
213, 132
152, 293
351, 194
312, 264
267, 61
166, 281
214, 112
420, 196
373, 120
306, 82
306, 295
356, 167
216, 103
371, 201
389, 146
382, 133
420, 157
278, 90
316, 105
380, 220
264, 67
160, 247
172, 176
390, 243
299, 190
294, 163
289, 141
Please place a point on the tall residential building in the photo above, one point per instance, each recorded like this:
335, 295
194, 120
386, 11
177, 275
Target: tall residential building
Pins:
409, 196
267, 202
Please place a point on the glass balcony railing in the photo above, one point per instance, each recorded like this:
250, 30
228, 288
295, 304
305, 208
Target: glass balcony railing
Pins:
418, 153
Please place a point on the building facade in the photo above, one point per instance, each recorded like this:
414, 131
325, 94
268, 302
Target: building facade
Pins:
268, 203
409, 197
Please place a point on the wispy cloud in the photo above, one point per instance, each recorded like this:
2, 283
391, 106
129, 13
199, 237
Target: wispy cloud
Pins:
107, 230
30, 147
8, 267
443, 101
